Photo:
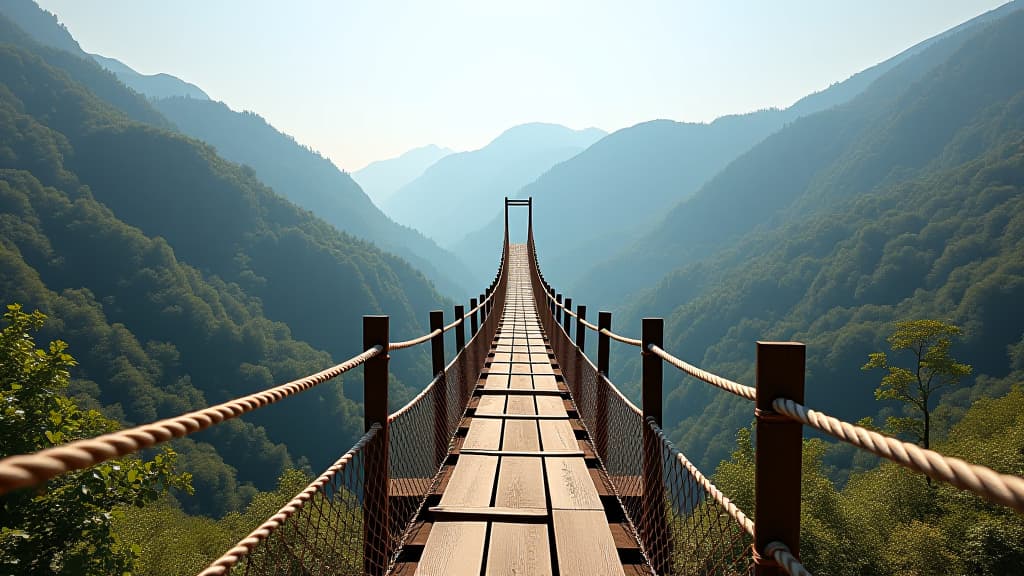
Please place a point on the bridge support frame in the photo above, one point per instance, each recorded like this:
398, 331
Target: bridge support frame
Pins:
376, 538
441, 439
604, 321
777, 458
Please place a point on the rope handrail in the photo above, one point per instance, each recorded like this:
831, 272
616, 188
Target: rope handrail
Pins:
732, 509
246, 545
415, 341
32, 469
1005, 489
620, 338
741, 390
783, 556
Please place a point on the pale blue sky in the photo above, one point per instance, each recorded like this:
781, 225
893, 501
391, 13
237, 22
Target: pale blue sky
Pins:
365, 80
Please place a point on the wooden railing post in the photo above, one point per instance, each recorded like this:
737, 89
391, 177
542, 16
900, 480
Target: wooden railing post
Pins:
482, 311
441, 391
653, 527
472, 318
567, 320
460, 329
777, 458
376, 539
604, 322
558, 308
581, 330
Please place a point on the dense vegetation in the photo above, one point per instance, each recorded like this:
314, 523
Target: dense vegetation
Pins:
181, 279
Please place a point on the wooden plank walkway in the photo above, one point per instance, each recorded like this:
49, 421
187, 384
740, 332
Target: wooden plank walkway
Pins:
520, 497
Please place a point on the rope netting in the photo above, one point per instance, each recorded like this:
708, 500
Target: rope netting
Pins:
323, 530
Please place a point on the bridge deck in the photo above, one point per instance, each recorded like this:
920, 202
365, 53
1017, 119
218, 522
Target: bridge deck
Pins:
522, 496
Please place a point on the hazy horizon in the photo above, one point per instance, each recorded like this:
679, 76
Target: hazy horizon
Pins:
367, 82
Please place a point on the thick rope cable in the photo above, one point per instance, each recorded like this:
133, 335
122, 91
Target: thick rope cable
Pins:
415, 341
623, 339
743, 391
785, 559
245, 547
589, 325
454, 324
1004, 489
32, 469
713, 492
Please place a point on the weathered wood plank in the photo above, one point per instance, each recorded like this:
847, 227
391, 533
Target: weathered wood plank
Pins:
484, 433
570, 485
521, 435
550, 406
471, 482
520, 381
521, 483
520, 405
518, 549
453, 549
491, 404
541, 382
594, 555
556, 435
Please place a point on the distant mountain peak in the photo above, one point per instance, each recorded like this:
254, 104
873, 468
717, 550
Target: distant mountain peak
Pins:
152, 85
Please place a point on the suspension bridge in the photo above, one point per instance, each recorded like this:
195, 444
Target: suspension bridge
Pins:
522, 457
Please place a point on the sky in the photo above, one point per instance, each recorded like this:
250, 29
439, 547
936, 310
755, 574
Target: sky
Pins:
364, 80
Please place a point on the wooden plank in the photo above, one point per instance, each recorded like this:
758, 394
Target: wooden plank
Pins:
484, 434
520, 405
543, 369
570, 485
556, 435
502, 357
520, 483
521, 381
496, 381
521, 435
550, 406
594, 555
545, 382
518, 549
491, 404
490, 513
529, 453
471, 482
453, 549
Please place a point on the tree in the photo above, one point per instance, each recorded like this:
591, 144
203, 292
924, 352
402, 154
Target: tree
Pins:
933, 368
65, 526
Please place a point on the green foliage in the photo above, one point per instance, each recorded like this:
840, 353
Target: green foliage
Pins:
64, 527
932, 369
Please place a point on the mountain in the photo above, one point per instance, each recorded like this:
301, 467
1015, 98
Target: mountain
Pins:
383, 178
313, 182
469, 187
152, 85
179, 279
907, 202
618, 189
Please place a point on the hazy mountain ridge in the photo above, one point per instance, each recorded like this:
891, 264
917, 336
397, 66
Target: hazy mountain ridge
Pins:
381, 179
152, 85
467, 187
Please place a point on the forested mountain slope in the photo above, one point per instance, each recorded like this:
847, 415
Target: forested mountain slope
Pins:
313, 182
906, 203
178, 278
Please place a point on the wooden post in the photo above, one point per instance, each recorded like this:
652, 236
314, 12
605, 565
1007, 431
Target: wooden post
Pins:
441, 391
777, 458
581, 330
567, 320
460, 329
472, 318
558, 309
376, 540
604, 322
482, 310
653, 503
